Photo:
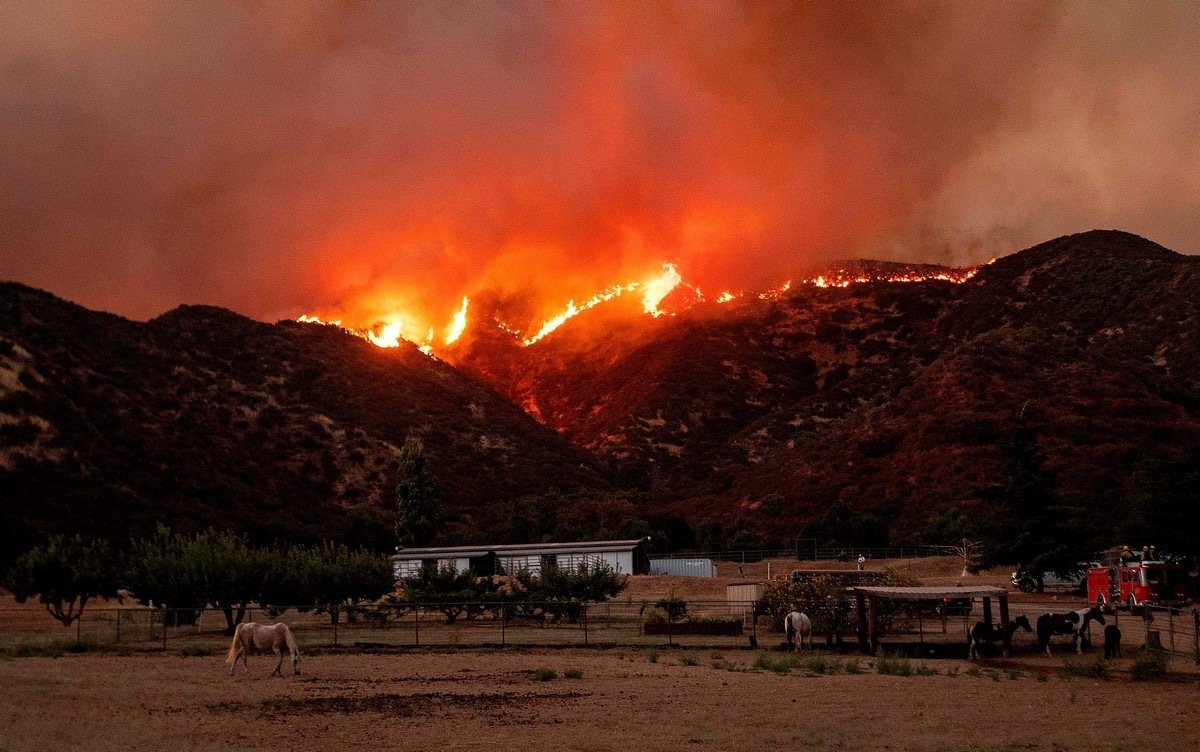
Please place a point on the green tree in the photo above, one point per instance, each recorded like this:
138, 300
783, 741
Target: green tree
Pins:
1033, 522
233, 571
169, 570
65, 573
418, 512
325, 577
453, 593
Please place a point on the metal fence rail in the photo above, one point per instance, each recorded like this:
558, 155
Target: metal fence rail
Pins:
613, 623
713, 624
810, 552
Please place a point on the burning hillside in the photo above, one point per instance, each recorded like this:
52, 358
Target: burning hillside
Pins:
665, 294
893, 405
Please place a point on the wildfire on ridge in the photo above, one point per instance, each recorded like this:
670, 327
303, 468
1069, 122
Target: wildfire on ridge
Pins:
655, 290
391, 331
455, 330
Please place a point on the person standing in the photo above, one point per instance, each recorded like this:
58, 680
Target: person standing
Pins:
862, 562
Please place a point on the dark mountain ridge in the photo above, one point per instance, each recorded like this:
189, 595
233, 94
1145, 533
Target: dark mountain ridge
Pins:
203, 417
878, 412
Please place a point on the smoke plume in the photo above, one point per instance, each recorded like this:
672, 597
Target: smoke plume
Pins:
362, 159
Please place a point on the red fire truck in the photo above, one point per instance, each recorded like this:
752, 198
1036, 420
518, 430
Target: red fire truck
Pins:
1135, 583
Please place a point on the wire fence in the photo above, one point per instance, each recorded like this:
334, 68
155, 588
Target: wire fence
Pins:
920, 628
809, 551
557, 623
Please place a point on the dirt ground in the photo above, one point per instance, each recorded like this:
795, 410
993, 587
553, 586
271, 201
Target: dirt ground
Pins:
619, 699
613, 699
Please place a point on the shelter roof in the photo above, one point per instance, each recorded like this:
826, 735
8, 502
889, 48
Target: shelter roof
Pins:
928, 593
516, 549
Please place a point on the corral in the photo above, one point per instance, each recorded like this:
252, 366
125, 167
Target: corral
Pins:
452, 692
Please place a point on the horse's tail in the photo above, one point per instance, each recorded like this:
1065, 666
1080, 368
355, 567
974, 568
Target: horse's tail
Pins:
292, 646
233, 646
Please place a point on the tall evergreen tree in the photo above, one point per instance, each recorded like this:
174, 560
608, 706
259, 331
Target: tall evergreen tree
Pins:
1033, 522
418, 511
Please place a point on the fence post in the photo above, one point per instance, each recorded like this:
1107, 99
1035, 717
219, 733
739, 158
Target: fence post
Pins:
119, 613
1171, 626
164, 629
417, 625
336, 614
585, 625
671, 622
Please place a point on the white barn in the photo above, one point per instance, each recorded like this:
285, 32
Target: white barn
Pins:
622, 556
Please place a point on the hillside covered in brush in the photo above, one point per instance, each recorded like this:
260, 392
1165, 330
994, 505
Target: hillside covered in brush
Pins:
201, 418
897, 405
878, 412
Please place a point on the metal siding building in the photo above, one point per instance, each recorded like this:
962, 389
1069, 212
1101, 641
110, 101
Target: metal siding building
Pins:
743, 597
622, 556
684, 567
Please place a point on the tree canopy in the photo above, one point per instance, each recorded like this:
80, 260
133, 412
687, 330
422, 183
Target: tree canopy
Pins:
418, 510
65, 573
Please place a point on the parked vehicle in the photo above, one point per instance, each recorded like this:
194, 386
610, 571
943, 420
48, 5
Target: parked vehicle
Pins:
953, 607
1133, 584
1026, 582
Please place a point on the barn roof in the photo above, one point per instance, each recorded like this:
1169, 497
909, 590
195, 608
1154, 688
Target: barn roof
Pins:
928, 593
517, 549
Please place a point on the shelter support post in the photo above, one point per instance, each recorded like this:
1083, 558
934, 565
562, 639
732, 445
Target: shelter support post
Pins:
873, 626
1005, 631
863, 639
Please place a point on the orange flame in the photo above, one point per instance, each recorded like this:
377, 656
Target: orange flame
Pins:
389, 335
390, 332
455, 330
659, 288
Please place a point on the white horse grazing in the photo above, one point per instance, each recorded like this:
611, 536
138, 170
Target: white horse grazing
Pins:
252, 636
796, 625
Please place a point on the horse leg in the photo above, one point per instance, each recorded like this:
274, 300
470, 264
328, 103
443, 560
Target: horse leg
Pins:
278, 662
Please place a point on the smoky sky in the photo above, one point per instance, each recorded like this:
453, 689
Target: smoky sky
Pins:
291, 157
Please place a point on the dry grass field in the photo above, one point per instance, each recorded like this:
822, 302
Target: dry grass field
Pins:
619, 699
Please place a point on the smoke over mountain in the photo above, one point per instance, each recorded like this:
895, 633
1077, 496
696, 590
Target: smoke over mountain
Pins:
368, 159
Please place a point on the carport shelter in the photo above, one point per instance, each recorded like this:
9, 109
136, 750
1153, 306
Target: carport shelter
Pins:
867, 598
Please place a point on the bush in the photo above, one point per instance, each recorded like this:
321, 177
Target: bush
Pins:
573, 673
1149, 667
782, 665
894, 665
819, 664
673, 607
1097, 669
545, 674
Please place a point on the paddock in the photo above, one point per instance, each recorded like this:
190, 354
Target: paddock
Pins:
867, 599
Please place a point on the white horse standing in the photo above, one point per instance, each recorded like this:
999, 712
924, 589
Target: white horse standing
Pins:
798, 625
252, 636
